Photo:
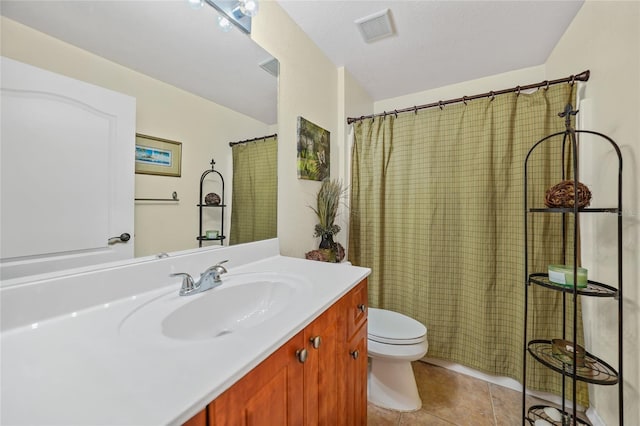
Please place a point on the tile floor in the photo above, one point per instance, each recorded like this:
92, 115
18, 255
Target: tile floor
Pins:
450, 398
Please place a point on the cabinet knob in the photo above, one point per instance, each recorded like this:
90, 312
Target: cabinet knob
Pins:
302, 355
362, 307
316, 342
355, 354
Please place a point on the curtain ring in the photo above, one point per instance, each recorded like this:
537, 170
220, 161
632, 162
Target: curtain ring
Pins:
396, 112
492, 95
546, 82
440, 105
464, 100
518, 91
573, 80
415, 110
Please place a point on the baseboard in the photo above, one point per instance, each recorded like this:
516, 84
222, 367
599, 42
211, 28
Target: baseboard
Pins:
510, 383
506, 382
594, 418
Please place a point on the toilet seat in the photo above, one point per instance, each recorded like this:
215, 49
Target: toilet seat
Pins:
394, 328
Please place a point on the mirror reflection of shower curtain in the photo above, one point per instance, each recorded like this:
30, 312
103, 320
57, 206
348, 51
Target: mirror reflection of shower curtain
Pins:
255, 191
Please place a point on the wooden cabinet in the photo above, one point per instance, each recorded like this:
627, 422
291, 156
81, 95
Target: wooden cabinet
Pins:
199, 419
319, 377
355, 308
320, 369
352, 362
270, 394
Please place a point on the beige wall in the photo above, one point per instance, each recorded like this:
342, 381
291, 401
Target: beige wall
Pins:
467, 88
308, 87
353, 101
605, 38
203, 127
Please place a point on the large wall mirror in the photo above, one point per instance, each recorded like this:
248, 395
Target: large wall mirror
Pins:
193, 84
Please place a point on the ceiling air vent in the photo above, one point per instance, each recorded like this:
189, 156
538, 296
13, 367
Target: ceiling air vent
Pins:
375, 26
272, 66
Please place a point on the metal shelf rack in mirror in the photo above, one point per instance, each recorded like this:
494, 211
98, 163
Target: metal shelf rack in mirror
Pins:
216, 204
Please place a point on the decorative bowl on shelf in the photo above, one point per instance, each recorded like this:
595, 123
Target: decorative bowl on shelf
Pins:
562, 350
564, 195
212, 199
563, 275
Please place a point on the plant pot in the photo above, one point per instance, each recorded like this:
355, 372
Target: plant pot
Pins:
327, 242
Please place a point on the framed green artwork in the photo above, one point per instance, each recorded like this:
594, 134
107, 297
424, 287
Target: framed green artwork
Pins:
313, 151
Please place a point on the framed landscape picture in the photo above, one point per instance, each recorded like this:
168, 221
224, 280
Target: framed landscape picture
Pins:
156, 156
313, 151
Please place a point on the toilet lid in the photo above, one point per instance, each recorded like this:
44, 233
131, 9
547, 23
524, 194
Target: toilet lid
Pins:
394, 328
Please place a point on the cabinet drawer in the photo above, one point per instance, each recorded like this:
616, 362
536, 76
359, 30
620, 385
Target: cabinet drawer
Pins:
357, 307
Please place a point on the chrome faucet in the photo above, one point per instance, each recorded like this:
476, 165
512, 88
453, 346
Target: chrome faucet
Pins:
208, 279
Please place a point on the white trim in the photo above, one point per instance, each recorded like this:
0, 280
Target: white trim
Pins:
506, 382
594, 418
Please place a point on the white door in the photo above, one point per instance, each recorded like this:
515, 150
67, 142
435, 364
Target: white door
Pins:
67, 178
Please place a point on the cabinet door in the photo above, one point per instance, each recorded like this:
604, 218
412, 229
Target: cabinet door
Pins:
356, 378
356, 309
352, 358
270, 394
320, 370
199, 419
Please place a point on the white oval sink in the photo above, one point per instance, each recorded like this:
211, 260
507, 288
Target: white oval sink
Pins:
241, 302
216, 313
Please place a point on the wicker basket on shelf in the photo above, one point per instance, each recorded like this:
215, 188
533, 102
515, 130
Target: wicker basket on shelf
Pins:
564, 195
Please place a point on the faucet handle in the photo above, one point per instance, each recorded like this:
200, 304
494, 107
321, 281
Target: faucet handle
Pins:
221, 269
215, 271
187, 283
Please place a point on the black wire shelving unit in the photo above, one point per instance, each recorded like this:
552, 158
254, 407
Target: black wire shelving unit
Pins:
592, 369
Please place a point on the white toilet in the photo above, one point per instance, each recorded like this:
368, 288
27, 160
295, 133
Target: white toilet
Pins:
394, 340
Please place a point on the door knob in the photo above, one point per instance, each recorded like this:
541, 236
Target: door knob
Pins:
122, 238
355, 354
362, 307
302, 355
316, 342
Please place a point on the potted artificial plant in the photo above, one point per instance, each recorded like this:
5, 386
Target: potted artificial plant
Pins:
326, 209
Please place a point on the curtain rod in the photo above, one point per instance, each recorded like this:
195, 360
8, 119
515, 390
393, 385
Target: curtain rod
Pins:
275, 135
583, 76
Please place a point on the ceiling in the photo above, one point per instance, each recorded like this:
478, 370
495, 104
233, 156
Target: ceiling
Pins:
436, 43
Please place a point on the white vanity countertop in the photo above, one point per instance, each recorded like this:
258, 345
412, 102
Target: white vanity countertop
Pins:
79, 368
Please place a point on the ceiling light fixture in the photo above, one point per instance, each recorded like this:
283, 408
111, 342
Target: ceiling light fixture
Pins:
224, 24
236, 12
249, 7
